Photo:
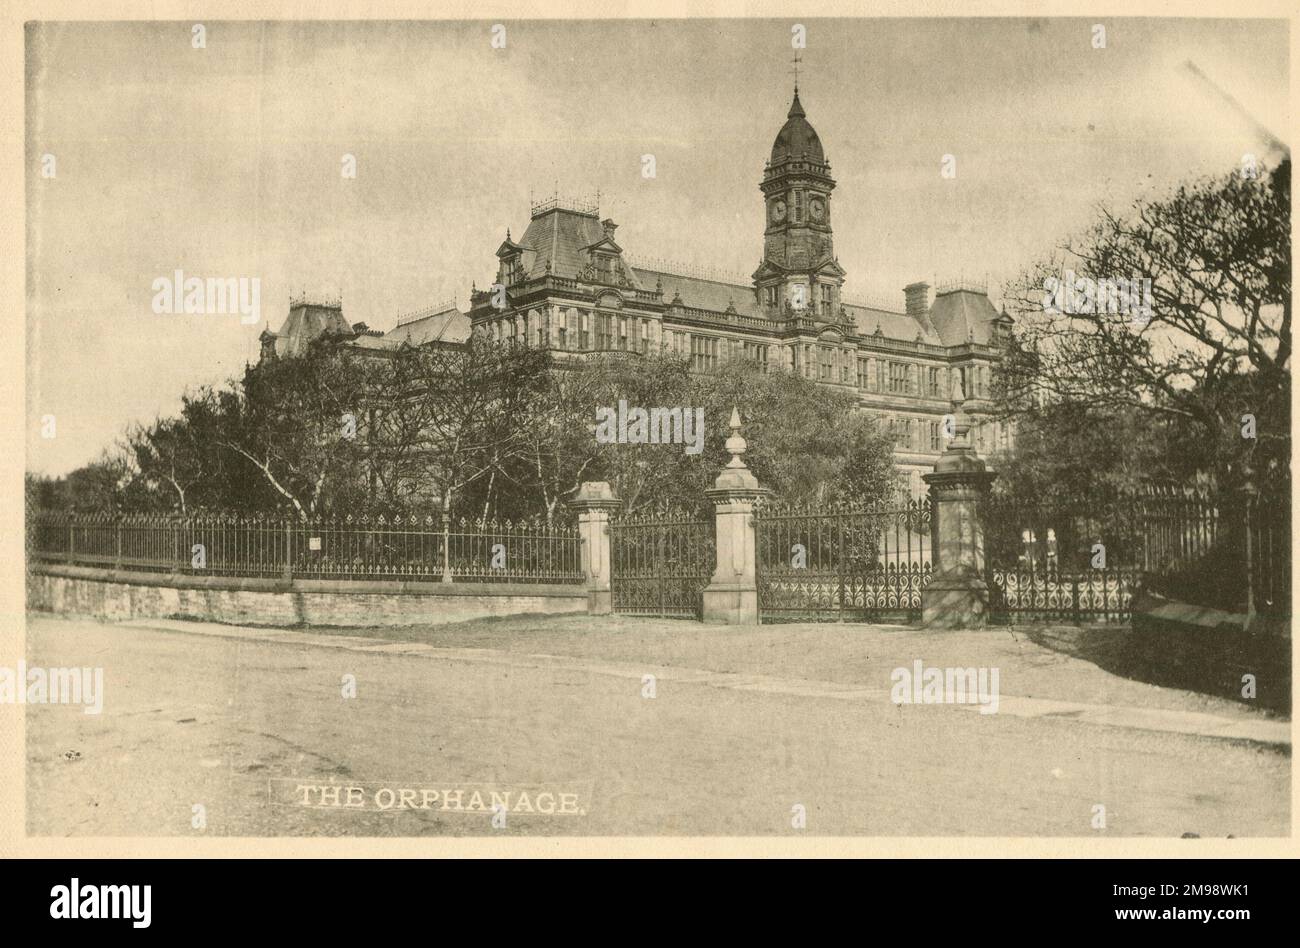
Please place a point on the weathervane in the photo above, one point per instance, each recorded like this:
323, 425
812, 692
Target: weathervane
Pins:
795, 68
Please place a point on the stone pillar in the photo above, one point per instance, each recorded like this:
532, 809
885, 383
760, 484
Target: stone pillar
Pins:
732, 595
1249, 496
594, 502
958, 594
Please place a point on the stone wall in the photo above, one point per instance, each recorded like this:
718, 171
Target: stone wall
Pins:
115, 594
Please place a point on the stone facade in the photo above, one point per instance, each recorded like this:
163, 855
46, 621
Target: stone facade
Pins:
567, 285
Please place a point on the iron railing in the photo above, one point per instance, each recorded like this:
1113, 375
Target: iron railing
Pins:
856, 563
1084, 560
397, 548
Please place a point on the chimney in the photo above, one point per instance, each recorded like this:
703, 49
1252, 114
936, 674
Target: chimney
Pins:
610, 227
918, 298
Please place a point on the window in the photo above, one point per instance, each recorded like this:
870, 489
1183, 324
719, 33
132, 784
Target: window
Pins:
769, 294
862, 373
704, 352
645, 335
584, 331
825, 355
511, 271
604, 268
898, 378
756, 353
936, 442
622, 333
932, 382
798, 207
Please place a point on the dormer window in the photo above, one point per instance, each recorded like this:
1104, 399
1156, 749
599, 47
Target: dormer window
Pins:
604, 268
511, 270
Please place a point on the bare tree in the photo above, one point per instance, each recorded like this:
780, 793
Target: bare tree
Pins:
1216, 343
453, 416
296, 423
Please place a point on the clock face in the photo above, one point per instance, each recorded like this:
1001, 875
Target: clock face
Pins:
818, 208
778, 211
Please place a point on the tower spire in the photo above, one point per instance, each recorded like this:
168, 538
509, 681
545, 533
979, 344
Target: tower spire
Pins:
796, 108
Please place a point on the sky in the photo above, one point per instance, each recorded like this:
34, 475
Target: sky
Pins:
226, 161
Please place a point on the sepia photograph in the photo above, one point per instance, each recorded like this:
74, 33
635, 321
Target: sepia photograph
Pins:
778, 427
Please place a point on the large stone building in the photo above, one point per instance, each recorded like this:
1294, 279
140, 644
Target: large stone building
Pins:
567, 284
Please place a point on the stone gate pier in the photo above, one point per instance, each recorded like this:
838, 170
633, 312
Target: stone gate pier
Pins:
732, 595
958, 594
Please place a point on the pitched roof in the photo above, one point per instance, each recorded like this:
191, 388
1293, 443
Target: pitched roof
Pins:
447, 325
892, 325
702, 293
718, 294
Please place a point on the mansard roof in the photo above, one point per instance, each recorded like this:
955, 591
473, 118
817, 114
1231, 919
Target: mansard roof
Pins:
961, 315
307, 321
555, 242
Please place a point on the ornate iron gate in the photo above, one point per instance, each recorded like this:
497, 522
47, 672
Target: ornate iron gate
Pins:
843, 563
660, 564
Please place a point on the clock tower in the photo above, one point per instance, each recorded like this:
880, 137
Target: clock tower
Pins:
799, 267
